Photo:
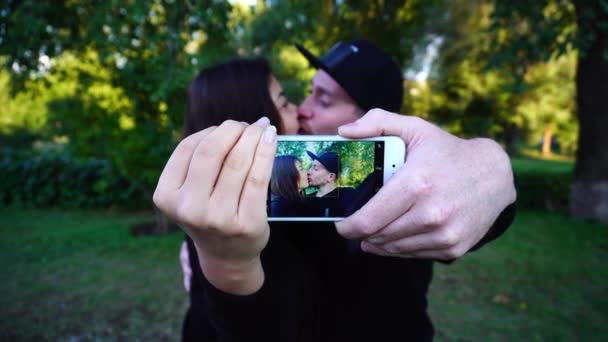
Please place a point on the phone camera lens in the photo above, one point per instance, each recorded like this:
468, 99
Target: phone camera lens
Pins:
393, 165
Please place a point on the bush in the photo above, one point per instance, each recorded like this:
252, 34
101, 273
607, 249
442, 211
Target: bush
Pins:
546, 191
58, 179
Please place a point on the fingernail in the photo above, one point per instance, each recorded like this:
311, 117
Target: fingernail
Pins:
270, 134
376, 240
262, 122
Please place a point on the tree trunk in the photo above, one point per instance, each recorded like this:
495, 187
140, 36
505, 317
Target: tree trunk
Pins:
589, 193
547, 135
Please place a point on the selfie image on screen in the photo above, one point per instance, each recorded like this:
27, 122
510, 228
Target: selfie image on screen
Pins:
324, 178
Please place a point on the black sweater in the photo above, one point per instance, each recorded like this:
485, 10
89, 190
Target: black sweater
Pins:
320, 287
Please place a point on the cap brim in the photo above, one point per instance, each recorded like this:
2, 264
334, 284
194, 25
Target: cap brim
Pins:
314, 61
312, 155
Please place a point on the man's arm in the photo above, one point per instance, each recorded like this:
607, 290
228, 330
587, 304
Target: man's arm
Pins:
443, 201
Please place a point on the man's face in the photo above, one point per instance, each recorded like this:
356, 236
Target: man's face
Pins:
318, 175
327, 107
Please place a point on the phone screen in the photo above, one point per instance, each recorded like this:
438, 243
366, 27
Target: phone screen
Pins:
324, 180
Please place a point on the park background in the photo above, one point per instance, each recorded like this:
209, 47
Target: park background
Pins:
92, 96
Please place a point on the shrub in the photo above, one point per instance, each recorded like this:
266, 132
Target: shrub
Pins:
55, 178
546, 191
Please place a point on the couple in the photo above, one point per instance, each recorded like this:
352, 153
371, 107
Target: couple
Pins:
289, 180
258, 281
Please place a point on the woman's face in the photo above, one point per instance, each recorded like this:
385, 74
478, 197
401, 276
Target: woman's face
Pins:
302, 176
286, 109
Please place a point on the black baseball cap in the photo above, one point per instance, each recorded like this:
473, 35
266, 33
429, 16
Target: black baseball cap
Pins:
329, 160
368, 74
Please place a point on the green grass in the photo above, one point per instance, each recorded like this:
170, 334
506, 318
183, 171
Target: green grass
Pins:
530, 165
79, 275
546, 279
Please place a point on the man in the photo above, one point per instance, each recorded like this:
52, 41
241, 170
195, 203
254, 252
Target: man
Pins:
324, 173
310, 284
443, 188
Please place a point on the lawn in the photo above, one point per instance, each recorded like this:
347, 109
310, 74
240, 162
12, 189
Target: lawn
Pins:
546, 279
527, 165
80, 276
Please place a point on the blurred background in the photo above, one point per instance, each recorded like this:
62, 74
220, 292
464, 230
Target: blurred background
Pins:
92, 96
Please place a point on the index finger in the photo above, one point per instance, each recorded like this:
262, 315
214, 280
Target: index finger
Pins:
174, 173
378, 122
255, 191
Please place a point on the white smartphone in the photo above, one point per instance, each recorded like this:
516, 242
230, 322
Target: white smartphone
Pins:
328, 177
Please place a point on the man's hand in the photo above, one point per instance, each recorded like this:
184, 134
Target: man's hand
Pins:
215, 186
443, 199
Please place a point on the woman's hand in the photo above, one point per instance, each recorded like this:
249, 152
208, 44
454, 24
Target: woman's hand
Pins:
215, 186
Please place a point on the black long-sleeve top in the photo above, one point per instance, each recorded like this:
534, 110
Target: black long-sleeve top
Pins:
320, 287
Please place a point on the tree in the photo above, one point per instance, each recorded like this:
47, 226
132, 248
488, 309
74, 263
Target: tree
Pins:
397, 26
150, 50
527, 32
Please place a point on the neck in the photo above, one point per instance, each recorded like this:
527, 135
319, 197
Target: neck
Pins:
325, 189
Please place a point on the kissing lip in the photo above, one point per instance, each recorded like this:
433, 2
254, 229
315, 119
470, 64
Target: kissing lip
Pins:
303, 130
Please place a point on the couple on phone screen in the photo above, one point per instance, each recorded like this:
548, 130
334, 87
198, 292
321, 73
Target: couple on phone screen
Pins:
289, 180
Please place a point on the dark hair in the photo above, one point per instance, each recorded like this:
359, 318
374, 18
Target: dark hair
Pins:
235, 90
284, 178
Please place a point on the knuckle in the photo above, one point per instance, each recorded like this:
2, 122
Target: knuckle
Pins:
232, 125
256, 181
254, 130
391, 248
206, 151
422, 186
376, 113
437, 216
214, 220
265, 153
447, 239
365, 225
185, 148
234, 162
183, 213
159, 199
454, 253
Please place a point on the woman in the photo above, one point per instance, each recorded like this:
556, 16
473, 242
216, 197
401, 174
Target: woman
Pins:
287, 184
241, 90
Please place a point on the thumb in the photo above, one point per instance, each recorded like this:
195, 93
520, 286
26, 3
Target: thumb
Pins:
378, 122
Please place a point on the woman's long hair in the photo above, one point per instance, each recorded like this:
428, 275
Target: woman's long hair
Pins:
235, 90
284, 179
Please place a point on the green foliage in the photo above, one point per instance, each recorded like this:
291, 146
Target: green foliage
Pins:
24, 112
502, 102
550, 102
115, 85
397, 26
123, 92
55, 178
